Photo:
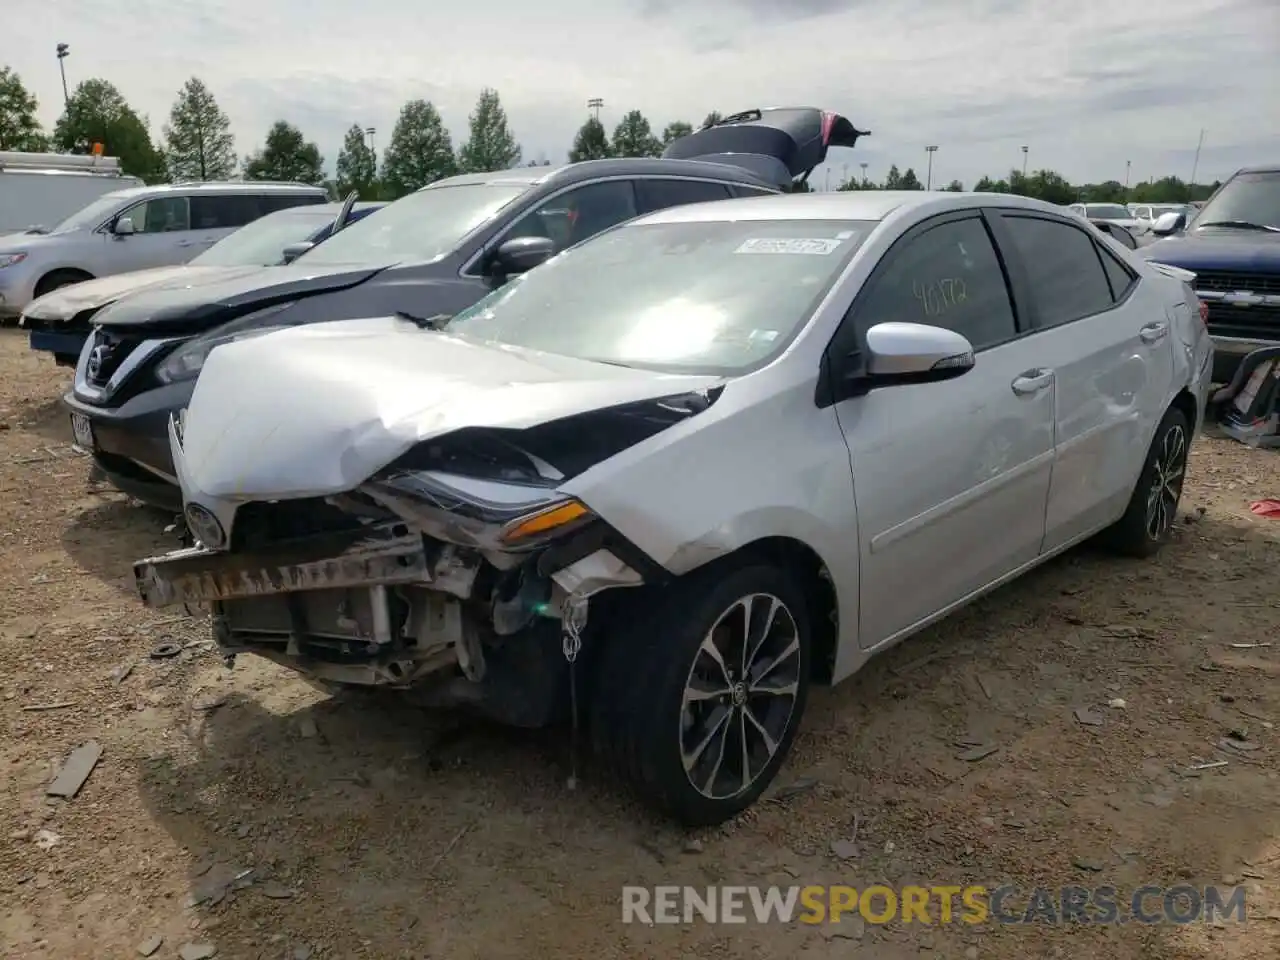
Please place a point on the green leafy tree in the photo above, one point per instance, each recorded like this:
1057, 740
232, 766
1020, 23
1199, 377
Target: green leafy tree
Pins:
490, 144
955, 186
633, 137
674, 131
590, 143
1164, 190
711, 119
198, 140
357, 167
893, 179
286, 155
1051, 187
420, 152
19, 128
98, 113
910, 181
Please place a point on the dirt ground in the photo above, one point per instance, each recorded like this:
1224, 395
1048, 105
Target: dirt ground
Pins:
379, 831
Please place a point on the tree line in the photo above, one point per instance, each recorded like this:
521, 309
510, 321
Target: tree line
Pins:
1052, 187
197, 144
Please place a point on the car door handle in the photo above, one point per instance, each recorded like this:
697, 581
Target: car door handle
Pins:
1031, 382
1153, 332
186, 243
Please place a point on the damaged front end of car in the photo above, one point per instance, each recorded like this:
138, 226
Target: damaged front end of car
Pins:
452, 572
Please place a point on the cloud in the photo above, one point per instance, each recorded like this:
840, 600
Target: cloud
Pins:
1086, 86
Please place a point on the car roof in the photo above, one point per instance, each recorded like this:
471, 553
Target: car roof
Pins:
213, 186
567, 173
842, 205
1263, 168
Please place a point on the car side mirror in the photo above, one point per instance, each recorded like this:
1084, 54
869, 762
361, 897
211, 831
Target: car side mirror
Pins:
522, 254
123, 227
1169, 223
915, 353
901, 353
294, 250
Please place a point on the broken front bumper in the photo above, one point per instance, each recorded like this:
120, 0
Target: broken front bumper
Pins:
380, 554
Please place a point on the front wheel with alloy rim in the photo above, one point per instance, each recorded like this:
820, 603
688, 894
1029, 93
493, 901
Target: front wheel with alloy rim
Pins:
1148, 521
696, 703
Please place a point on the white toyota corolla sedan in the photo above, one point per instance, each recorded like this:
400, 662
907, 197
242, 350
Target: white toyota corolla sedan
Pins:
662, 484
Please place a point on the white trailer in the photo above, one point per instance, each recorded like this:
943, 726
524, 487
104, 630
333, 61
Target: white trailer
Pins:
42, 189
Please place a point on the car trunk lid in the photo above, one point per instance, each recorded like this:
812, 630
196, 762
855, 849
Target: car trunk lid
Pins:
781, 144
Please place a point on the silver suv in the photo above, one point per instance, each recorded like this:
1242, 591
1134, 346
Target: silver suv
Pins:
136, 229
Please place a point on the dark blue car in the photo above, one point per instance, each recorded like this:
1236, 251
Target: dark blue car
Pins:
1233, 246
59, 322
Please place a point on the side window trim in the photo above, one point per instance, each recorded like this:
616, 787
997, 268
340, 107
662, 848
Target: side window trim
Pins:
1000, 214
849, 335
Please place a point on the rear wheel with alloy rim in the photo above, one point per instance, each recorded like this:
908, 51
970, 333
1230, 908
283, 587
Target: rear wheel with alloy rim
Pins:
697, 703
1153, 507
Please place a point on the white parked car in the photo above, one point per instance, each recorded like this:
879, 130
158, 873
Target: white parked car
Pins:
1112, 213
1148, 213
135, 229
709, 457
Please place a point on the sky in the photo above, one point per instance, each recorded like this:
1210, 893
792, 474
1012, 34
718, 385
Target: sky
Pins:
1089, 86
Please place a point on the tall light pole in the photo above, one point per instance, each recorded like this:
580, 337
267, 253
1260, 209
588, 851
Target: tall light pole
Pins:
595, 104
369, 132
863, 165
928, 179
63, 52
1195, 166
1025, 150
1128, 164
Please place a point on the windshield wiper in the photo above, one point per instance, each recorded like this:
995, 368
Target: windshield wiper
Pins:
1240, 225
436, 321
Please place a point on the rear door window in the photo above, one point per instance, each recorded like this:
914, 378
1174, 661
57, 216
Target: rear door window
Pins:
225, 212
271, 202
1063, 264
658, 194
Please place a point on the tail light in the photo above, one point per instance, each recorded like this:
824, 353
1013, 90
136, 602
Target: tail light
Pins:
1204, 312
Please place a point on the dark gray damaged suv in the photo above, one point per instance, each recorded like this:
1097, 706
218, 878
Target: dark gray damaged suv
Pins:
424, 257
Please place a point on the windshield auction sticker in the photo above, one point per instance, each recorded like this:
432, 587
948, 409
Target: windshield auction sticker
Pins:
795, 245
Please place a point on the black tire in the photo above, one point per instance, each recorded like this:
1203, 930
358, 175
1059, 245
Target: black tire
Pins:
637, 705
1140, 532
59, 278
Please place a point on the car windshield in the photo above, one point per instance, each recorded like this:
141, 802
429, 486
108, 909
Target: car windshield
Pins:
92, 215
422, 226
1247, 197
1107, 211
262, 242
719, 297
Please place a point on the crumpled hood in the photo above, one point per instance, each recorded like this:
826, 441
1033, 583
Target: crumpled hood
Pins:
1217, 248
316, 410
64, 303
207, 299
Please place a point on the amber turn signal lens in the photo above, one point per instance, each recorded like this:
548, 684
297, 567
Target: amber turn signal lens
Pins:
557, 516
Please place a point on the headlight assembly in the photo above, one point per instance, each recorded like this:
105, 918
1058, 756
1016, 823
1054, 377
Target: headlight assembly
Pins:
11, 259
186, 362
